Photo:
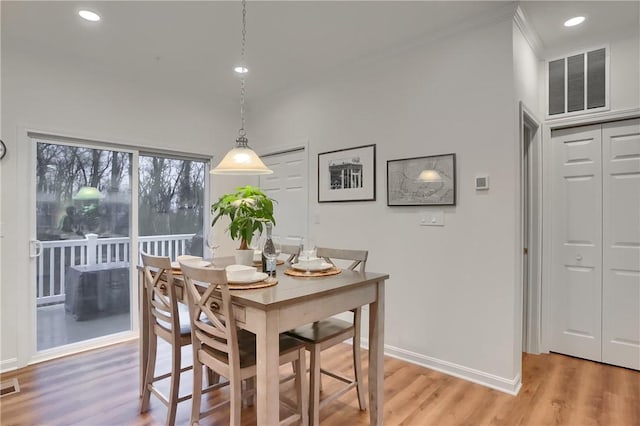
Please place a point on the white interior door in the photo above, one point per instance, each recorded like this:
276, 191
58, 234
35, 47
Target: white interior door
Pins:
288, 186
621, 244
576, 287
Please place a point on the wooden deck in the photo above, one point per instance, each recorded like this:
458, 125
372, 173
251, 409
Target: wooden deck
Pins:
57, 327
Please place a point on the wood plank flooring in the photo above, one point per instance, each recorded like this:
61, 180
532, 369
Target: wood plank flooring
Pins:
101, 388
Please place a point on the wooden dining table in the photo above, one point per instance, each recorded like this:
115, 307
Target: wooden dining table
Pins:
292, 302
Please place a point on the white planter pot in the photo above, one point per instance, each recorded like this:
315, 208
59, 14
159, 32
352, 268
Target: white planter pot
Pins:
244, 257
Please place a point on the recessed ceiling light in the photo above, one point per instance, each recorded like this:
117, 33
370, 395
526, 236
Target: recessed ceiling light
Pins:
241, 69
574, 21
89, 15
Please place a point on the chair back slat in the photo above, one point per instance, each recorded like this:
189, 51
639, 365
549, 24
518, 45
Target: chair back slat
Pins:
293, 250
161, 294
359, 257
212, 320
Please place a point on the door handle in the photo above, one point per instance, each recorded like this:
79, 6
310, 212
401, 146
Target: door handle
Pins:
35, 248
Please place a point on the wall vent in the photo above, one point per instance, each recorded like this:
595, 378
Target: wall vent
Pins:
578, 83
9, 387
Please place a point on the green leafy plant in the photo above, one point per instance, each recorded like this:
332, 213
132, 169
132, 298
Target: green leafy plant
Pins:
248, 209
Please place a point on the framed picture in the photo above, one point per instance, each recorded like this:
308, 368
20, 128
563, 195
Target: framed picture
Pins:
347, 174
422, 181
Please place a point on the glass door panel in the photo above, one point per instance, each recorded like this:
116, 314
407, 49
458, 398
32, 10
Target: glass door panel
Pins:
83, 211
171, 200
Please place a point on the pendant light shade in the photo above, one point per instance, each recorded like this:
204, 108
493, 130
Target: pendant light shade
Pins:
241, 160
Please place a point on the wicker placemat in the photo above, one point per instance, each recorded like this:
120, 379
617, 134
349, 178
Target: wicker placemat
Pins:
260, 284
296, 273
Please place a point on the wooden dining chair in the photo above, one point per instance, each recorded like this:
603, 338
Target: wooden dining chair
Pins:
293, 250
170, 323
228, 350
328, 332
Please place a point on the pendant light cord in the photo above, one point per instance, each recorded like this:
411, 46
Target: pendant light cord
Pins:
242, 133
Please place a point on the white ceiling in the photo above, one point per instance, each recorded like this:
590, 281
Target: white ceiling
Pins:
192, 46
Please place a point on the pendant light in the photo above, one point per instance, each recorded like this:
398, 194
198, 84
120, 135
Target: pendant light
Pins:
242, 160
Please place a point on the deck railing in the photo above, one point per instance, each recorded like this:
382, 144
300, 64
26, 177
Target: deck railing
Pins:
57, 256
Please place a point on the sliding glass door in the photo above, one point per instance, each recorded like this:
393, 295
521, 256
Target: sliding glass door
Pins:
83, 211
90, 201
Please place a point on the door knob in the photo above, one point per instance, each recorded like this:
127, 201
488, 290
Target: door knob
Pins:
578, 258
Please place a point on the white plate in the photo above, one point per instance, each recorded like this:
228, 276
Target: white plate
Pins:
196, 263
257, 277
323, 267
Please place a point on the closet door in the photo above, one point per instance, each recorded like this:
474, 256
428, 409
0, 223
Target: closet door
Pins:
576, 288
621, 241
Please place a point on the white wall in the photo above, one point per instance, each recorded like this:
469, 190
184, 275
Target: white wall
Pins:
625, 72
525, 72
45, 92
450, 299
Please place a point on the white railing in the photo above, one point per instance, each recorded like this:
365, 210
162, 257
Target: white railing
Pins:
58, 256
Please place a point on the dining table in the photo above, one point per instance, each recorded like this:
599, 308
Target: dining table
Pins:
294, 301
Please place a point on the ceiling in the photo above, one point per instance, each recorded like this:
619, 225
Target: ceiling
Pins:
192, 46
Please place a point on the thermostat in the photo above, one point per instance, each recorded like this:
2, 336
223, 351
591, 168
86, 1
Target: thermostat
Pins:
482, 182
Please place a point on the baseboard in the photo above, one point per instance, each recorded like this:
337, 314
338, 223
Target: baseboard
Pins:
510, 386
8, 365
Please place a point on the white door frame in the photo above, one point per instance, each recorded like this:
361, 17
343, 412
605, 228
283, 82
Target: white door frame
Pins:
547, 207
531, 296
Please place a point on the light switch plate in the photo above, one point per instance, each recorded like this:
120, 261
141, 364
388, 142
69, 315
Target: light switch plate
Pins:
432, 218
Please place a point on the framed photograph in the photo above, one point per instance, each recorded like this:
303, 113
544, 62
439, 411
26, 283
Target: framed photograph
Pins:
347, 175
422, 181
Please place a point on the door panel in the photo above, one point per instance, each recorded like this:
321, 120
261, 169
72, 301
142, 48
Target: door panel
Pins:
621, 244
83, 210
288, 186
577, 242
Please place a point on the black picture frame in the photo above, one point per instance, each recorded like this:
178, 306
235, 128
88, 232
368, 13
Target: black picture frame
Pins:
405, 187
347, 174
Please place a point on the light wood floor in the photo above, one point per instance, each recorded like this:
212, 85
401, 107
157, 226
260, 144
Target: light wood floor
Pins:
101, 388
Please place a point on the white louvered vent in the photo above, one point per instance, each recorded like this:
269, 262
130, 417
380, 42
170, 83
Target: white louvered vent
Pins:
578, 83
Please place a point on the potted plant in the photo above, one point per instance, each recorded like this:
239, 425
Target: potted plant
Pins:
248, 209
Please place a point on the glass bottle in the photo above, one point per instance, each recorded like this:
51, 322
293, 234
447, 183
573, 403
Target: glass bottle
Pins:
269, 254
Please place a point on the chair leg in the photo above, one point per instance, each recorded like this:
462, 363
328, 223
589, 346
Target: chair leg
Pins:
250, 385
302, 390
235, 403
196, 399
174, 388
151, 370
357, 367
314, 396
213, 378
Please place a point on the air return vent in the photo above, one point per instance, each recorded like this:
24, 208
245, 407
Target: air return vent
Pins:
9, 387
578, 83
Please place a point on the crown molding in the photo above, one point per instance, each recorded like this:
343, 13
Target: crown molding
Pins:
521, 21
